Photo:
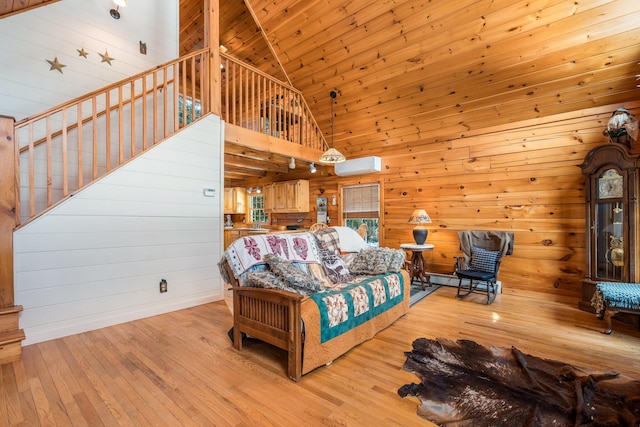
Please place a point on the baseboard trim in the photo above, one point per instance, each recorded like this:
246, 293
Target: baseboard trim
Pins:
54, 331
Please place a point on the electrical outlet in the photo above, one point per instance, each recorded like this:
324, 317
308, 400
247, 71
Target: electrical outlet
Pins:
163, 286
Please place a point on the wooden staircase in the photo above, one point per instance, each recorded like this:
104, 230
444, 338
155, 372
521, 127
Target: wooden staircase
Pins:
11, 336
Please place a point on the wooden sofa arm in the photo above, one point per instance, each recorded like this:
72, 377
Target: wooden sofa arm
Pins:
272, 316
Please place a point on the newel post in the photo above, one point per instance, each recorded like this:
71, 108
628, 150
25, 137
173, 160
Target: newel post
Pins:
7, 209
212, 41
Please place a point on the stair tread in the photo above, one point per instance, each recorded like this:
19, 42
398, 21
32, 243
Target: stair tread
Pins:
11, 336
10, 309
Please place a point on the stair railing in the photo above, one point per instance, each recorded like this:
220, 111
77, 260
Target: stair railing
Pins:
64, 148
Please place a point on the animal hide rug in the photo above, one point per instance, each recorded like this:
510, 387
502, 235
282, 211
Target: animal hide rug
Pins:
466, 384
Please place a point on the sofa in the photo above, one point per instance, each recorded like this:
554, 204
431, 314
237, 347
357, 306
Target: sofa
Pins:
311, 294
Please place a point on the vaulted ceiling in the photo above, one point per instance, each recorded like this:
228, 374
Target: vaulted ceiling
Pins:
414, 71
420, 71
11, 7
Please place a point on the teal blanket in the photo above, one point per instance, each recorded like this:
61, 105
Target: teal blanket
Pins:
354, 304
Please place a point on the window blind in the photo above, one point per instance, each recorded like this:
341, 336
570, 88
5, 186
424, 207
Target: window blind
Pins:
361, 201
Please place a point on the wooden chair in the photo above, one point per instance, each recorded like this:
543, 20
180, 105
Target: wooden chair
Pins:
483, 252
362, 231
317, 226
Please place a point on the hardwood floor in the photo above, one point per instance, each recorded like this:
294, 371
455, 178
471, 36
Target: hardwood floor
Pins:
180, 368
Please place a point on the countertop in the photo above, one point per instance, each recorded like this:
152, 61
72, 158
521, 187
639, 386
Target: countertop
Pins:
258, 230
265, 230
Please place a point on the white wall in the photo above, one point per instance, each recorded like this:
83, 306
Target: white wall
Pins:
29, 39
97, 259
52, 124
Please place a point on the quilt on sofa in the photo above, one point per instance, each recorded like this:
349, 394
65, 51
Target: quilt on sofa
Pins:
356, 303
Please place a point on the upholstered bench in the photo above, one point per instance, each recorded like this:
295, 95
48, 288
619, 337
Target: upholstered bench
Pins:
611, 298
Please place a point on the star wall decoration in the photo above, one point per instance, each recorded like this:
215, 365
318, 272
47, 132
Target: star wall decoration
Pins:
82, 52
106, 58
56, 65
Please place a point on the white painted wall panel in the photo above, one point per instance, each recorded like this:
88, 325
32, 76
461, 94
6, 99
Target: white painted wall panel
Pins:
27, 86
87, 144
97, 259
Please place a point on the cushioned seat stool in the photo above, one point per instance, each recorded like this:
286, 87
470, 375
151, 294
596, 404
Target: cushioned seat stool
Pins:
611, 298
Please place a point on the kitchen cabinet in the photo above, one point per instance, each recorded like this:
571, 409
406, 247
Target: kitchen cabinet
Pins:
267, 197
287, 196
235, 200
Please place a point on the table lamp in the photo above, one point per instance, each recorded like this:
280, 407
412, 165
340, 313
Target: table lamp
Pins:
420, 217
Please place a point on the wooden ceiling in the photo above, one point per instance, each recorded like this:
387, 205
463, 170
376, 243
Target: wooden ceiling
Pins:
11, 7
420, 71
413, 71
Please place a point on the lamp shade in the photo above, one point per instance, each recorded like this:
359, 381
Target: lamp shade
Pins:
420, 217
332, 156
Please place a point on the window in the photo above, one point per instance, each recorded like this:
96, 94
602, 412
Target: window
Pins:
192, 113
361, 205
256, 209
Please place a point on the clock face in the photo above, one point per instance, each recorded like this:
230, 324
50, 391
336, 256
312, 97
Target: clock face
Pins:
610, 185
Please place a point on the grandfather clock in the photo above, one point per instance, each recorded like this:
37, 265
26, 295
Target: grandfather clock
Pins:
611, 218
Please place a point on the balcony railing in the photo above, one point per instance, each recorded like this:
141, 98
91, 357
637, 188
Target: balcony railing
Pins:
254, 100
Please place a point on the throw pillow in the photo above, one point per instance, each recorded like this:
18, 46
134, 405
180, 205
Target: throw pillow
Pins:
371, 261
378, 261
292, 275
334, 266
484, 260
269, 280
398, 257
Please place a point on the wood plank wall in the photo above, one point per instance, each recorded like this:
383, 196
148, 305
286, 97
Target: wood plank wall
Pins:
523, 177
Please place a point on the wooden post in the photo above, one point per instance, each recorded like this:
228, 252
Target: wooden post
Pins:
11, 336
7, 209
212, 41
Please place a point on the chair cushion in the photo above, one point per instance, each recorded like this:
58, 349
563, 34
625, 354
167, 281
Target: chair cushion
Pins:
475, 275
484, 260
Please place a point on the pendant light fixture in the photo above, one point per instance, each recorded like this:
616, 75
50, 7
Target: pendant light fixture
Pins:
332, 155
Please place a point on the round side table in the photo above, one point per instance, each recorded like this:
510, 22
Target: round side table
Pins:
418, 263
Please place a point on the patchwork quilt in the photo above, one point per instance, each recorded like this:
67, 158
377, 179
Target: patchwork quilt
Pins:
248, 251
357, 302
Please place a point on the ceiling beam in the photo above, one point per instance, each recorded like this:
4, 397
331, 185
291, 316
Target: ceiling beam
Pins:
240, 170
250, 163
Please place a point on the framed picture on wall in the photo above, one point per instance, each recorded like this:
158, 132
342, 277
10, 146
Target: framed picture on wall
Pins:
321, 209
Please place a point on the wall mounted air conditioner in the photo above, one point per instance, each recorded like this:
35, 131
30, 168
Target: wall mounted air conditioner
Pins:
358, 166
